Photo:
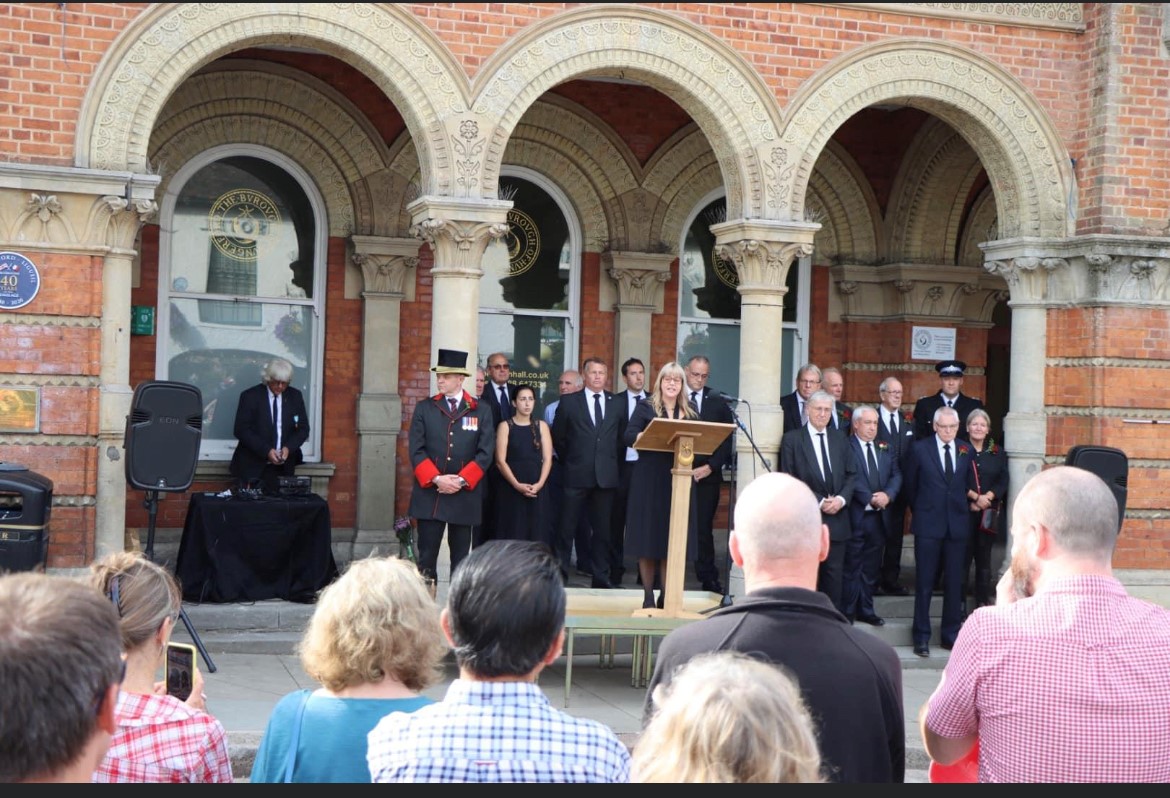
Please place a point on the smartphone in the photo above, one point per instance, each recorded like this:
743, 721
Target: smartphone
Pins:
180, 670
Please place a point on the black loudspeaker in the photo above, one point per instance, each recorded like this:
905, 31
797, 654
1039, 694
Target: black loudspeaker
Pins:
1110, 464
163, 432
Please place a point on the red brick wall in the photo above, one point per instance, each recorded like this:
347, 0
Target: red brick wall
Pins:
414, 354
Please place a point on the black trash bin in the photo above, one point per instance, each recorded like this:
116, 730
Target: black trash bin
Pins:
26, 498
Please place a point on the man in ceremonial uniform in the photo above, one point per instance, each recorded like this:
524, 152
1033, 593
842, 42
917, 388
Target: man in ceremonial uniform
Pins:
452, 443
950, 378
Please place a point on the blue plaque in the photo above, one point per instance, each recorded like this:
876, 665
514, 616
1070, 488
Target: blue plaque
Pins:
19, 280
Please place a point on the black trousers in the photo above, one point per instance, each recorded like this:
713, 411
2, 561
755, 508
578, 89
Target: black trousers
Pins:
979, 545
617, 527
430, 539
598, 505
891, 567
831, 574
706, 505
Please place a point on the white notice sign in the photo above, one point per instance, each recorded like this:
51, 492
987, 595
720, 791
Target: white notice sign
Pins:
932, 343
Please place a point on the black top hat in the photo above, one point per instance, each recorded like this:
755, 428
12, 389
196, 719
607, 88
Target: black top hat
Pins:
452, 361
950, 368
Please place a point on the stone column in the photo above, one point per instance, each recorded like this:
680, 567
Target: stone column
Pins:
124, 218
388, 268
458, 231
762, 252
640, 277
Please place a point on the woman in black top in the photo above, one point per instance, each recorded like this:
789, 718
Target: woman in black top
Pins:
524, 459
987, 483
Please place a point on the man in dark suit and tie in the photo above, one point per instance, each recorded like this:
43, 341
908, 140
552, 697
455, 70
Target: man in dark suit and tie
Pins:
935, 482
585, 435
634, 373
896, 430
820, 458
950, 378
833, 382
707, 470
271, 426
879, 481
497, 395
808, 381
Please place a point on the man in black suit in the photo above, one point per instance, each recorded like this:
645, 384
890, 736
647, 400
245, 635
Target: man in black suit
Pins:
585, 435
950, 378
634, 373
803, 453
833, 383
497, 394
271, 427
879, 481
707, 471
808, 381
896, 430
935, 482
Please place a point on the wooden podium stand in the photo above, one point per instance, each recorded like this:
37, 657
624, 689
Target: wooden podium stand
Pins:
686, 439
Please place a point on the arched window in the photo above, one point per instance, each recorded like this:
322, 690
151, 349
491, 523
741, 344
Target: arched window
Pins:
709, 303
528, 295
241, 280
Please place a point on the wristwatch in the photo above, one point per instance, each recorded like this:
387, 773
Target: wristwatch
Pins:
462, 483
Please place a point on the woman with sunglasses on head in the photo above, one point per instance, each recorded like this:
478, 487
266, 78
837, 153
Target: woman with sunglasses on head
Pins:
160, 739
524, 459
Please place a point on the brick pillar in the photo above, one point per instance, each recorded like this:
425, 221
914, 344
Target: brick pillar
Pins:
388, 267
762, 251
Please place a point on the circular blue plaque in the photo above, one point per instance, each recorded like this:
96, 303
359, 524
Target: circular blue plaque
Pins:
19, 280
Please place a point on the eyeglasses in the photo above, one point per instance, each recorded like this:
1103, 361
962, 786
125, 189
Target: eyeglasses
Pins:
498, 366
809, 382
946, 426
698, 375
278, 382
671, 379
893, 393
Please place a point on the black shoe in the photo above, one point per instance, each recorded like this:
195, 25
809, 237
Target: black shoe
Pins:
713, 587
648, 602
601, 584
922, 649
947, 646
661, 599
893, 590
872, 620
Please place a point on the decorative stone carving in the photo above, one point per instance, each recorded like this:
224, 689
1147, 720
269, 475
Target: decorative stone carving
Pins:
914, 292
1059, 16
126, 219
458, 231
639, 276
387, 264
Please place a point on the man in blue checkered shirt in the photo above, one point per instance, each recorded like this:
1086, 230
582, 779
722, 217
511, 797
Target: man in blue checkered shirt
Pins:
505, 618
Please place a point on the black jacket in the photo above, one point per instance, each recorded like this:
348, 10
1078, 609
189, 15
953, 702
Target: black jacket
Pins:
253, 429
588, 455
440, 442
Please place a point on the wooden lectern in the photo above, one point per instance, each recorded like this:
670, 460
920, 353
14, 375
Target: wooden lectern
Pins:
686, 439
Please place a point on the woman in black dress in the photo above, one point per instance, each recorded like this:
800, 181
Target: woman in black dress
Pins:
648, 513
524, 459
987, 483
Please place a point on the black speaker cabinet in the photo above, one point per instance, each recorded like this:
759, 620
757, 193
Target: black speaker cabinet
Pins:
163, 432
1110, 464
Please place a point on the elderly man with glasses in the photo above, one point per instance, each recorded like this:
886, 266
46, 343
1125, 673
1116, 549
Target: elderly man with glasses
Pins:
271, 426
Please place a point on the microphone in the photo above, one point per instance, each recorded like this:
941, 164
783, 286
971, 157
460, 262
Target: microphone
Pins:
729, 398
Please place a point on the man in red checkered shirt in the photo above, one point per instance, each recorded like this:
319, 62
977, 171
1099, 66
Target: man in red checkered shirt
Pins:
1067, 678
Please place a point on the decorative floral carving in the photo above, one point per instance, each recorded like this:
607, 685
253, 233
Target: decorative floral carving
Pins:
847, 287
45, 206
904, 286
935, 292
468, 154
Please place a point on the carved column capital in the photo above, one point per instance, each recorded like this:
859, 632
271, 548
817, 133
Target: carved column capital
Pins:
762, 251
124, 218
386, 264
639, 276
458, 231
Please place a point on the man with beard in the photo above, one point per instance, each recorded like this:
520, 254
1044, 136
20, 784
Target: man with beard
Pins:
1067, 677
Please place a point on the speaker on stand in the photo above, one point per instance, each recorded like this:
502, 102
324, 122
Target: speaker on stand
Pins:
1110, 464
163, 432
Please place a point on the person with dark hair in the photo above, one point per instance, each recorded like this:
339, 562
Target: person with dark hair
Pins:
60, 667
707, 470
271, 426
505, 619
950, 380
523, 462
634, 374
160, 738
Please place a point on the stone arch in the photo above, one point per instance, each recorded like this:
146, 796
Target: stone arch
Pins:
1008, 130
169, 42
842, 200
928, 196
709, 80
681, 173
980, 227
346, 158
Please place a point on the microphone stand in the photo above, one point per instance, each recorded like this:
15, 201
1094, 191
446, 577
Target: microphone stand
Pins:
756, 449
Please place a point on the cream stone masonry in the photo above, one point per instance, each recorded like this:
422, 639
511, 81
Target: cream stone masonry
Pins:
1054, 16
388, 267
762, 253
961, 295
640, 278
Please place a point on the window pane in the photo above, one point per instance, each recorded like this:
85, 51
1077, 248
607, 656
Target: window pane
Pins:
708, 283
223, 360
720, 344
243, 227
530, 267
534, 345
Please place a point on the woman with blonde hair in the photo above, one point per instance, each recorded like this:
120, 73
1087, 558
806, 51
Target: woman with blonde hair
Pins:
374, 644
728, 718
648, 518
160, 738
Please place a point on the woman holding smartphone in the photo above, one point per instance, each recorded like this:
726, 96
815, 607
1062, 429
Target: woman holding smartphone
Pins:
160, 738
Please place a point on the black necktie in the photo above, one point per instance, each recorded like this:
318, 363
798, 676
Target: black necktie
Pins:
825, 461
950, 403
871, 462
893, 424
695, 400
949, 466
275, 425
453, 403
505, 405
597, 410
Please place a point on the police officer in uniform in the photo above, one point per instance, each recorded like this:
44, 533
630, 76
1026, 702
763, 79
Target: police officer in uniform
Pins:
452, 442
950, 379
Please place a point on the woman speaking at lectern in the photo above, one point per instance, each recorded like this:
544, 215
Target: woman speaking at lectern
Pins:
648, 513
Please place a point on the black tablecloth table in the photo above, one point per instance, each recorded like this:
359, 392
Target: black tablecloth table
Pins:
237, 549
